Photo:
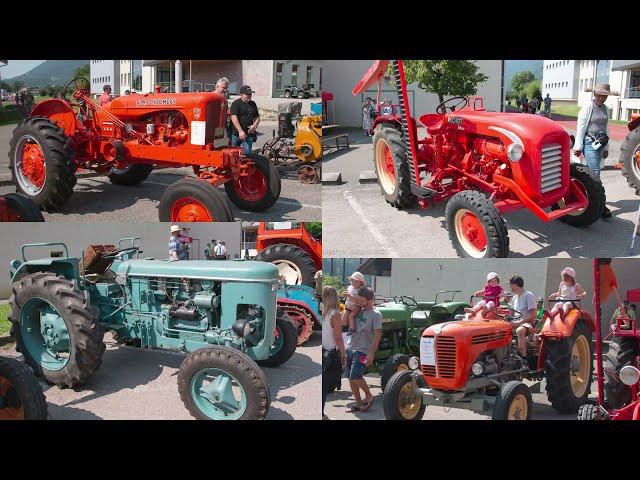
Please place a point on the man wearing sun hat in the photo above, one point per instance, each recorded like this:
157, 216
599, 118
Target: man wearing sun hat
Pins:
592, 131
176, 248
245, 119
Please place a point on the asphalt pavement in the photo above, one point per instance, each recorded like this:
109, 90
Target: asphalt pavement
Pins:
134, 384
357, 222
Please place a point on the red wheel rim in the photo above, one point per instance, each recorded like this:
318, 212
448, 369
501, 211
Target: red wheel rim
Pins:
189, 209
9, 413
385, 167
471, 232
303, 323
388, 163
252, 187
32, 166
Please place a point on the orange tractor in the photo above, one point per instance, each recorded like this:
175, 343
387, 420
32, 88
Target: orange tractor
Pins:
630, 154
474, 364
292, 248
125, 139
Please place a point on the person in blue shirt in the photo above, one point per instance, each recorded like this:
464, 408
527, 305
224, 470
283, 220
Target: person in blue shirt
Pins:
176, 248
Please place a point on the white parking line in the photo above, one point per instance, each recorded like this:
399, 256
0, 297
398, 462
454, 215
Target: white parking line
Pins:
377, 235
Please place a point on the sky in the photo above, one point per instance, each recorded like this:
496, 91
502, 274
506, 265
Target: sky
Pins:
18, 67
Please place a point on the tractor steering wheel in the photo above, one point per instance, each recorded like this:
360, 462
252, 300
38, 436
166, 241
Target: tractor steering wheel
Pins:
517, 315
402, 298
120, 252
74, 90
455, 101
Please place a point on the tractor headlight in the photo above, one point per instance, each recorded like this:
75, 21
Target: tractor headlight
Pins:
477, 369
414, 363
629, 375
514, 152
242, 327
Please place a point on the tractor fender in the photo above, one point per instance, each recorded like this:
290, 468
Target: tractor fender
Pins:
67, 267
392, 120
59, 112
556, 328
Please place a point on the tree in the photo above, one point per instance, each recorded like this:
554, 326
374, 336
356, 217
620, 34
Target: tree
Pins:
82, 72
520, 81
335, 282
533, 89
457, 78
315, 229
16, 86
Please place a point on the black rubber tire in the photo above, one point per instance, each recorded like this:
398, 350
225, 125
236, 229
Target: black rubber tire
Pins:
401, 197
245, 370
629, 146
85, 334
588, 411
622, 352
25, 389
287, 94
595, 195
287, 328
390, 397
557, 374
210, 196
508, 392
135, 174
390, 367
60, 167
494, 225
25, 207
293, 254
301, 95
274, 186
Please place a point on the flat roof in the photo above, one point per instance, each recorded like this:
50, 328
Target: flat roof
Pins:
624, 64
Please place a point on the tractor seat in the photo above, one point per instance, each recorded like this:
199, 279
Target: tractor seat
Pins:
419, 315
433, 122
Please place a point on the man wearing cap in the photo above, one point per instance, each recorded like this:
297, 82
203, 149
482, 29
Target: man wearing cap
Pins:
592, 131
106, 96
176, 248
523, 302
244, 120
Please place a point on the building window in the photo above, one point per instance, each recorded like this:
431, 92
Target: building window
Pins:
278, 76
308, 78
603, 68
136, 75
294, 74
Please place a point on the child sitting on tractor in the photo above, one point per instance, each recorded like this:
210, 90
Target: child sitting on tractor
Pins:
351, 306
569, 289
491, 295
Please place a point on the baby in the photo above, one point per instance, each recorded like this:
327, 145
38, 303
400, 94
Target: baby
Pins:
491, 295
569, 289
351, 307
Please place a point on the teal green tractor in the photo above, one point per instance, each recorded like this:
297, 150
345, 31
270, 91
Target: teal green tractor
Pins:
404, 320
222, 314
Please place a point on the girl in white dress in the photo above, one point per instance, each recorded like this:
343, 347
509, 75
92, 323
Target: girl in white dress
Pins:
367, 108
569, 289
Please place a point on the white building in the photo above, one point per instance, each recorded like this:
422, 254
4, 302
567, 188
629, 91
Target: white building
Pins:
104, 72
340, 76
560, 79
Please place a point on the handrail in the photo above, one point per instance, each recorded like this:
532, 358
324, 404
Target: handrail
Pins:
47, 244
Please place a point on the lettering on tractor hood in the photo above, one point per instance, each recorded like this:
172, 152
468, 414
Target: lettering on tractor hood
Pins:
143, 102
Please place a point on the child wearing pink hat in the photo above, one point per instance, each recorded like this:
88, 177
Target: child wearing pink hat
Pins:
491, 294
351, 307
569, 289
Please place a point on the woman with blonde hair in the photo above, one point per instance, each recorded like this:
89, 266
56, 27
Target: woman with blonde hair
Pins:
334, 355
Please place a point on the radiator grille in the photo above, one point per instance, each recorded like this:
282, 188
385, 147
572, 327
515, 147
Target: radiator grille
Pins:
446, 356
214, 124
487, 337
551, 168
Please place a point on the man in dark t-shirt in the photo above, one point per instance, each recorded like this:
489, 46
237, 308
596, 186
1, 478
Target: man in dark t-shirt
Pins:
244, 120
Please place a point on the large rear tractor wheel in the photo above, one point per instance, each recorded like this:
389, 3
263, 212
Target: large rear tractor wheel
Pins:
284, 344
19, 208
257, 191
594, 191
132, 175
513, 402
222, 383
622, 352
475, 226
41, 163
630, 159
21, 396
397, 363
294, 263
193, 200
302, 319
569, 370
392, 167
399, 401
54, 329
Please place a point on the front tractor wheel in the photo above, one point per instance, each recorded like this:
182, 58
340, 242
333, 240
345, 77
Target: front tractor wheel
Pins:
513, 402
21, 396
392, 168
132, 175
293, 262
284, 343
41, 163
398, 362
399, 401
222, 383
569, 370
193, 200
622, 351
475, 226
258, 190
302, 319
630, 159
593, 189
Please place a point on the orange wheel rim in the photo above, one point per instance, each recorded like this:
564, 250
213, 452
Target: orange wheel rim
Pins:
31, 170
251, 187
189, 209
385, 166
8, 412
471, 233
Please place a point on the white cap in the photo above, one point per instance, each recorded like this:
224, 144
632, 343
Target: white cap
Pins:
491, 275
175, 228
358, 276
569, 271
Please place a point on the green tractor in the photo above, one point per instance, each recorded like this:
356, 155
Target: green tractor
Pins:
222, 314
404, 320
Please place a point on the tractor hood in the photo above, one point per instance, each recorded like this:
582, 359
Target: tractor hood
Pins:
242, 271
471, 329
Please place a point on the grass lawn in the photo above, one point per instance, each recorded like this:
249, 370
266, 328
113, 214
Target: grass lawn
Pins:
570, 110
4, 323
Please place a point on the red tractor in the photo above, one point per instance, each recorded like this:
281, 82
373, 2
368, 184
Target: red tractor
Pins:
125, 139
15, 207
618, 371
630, 154
483, 163
292, 248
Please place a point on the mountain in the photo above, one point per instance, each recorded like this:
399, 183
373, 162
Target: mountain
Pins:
50, 72
511, 67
